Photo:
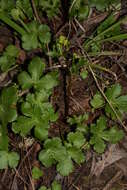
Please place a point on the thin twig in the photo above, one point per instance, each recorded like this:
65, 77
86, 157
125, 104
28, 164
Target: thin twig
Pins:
61, 29
110, 104
55, 67
17, 173
75, 187
35, 11
80, 26
4, 175
74, 1
21, 163
50, 58
117, 176
32, 183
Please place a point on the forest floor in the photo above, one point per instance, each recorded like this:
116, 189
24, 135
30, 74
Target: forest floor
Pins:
107, 171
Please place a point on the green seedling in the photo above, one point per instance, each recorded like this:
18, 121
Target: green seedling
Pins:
36, 173
37, 112
54, 186
118, 101
10, 159
8, 113
8, 59
55, 153
100, 134
50, 7
34, 77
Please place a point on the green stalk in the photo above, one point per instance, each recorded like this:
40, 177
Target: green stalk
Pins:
11, 23
4, 143
115, 38
102, 68
96, 38
96, 66
24, 25
105, 53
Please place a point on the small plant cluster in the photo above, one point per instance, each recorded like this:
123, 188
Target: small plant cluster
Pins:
8, 59
54, 186
36, 110
37, 173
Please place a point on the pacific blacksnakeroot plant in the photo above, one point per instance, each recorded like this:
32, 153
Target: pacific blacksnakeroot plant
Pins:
33, 111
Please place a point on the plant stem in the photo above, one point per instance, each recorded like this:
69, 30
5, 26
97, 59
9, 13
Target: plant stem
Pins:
98, 37
35, 11
96, 66
117, 38
105, 53
11, 23
103, 69
24, 25
4, 137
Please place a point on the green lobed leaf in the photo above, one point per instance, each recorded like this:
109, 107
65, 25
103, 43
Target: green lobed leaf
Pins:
114, 135
48, 81
113, 92
83, 128
13, 159
100, 134
8, 59
51, 7
37, 36
65, 167
23, 125
99, 145
84, 74
3, 159
46, 158
55, 152
53, 143
41, 133
48, 155
42, 188
35, 77
8, 100
97, 101
3, 138
36, 173
76, 154
36, 68
12, 51
10, 159
36, 113
25, 80
121, 103
78, 119
77, 139
56, 186
29, 41
118, 102
97, 135
44, 34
